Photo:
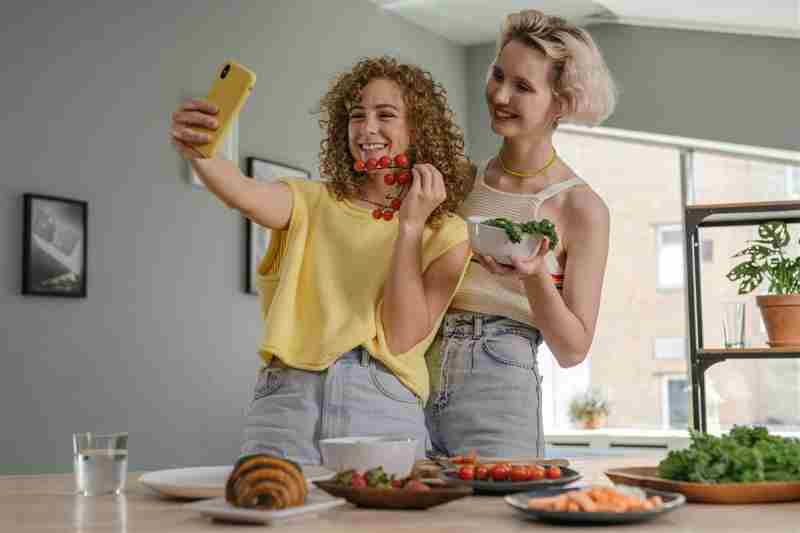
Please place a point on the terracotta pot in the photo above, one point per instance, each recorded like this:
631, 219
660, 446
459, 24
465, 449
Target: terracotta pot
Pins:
781, 314
594, 422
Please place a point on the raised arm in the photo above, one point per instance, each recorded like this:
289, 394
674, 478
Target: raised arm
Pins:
413, 299
267, 204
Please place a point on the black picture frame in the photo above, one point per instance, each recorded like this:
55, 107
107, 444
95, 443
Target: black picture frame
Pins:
258, 237
54, 246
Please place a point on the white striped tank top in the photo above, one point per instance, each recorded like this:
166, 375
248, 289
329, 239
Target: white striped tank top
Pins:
483, 292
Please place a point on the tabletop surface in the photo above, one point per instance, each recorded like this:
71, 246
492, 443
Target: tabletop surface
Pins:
48, 503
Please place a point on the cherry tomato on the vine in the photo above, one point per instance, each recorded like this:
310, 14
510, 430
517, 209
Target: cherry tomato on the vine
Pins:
500, 472
553, 472
466, 472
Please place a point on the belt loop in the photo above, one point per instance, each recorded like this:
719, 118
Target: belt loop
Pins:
477, 326
364, 357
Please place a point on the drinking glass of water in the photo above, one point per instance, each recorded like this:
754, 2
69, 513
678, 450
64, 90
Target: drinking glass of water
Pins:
101, 463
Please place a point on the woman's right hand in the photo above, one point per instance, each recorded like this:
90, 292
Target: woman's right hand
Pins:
191, 114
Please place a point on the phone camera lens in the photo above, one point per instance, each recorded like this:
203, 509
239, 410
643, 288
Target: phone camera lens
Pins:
225, 71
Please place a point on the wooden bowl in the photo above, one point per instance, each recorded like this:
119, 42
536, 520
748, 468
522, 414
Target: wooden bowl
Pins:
379, 498
757, 492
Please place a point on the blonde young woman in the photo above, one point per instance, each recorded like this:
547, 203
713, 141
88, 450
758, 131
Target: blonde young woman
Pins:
354, 286
486, 385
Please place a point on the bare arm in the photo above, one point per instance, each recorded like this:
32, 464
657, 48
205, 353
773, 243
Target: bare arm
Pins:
567, 319
412, 299
267, 204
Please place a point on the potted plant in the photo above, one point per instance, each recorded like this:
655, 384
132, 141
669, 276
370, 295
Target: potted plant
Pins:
767, 259
589, 409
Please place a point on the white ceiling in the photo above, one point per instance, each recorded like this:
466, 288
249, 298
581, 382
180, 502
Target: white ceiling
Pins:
470, 22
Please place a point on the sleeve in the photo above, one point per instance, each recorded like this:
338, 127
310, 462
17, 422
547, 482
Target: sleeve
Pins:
305, 194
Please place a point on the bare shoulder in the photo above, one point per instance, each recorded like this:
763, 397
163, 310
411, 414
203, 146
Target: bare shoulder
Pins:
585, 211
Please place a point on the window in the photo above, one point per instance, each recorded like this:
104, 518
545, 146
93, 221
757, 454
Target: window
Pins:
707, 250
669, 245
675, 402
669, 348
792, 182
640, 341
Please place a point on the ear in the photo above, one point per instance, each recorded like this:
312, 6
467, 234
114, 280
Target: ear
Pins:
558, 109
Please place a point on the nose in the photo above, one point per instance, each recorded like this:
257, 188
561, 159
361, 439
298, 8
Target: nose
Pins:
499, 93
371, 123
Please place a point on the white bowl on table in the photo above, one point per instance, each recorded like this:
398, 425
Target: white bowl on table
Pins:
396, 454
494, 241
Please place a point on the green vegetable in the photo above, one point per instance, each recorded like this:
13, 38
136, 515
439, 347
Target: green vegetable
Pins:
345, 477
514, 231
376, 477
746, 454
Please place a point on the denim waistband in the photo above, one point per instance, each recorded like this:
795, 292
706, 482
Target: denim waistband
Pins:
476, 325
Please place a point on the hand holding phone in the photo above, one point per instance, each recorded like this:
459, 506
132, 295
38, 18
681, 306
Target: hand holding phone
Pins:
200, 126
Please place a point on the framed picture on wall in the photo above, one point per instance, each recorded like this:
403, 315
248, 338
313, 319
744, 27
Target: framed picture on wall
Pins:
258, 237
54, 246
229, 150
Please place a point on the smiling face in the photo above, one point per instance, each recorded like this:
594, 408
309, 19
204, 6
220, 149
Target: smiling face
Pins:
378, 123
519, 94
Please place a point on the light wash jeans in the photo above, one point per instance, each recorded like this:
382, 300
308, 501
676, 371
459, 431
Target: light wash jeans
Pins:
487, 385
356, 396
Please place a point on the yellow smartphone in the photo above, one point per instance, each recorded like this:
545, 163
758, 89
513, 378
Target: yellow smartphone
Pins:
229, 92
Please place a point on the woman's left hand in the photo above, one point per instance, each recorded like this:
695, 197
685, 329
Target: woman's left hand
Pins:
425, 193
521, 267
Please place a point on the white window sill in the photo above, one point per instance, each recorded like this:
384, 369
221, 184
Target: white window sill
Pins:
605, 439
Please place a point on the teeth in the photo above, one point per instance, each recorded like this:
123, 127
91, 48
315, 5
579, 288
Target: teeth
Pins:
372, 146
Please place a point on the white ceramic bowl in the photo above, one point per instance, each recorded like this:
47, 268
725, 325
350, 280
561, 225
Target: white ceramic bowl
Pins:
493, 241
395, 453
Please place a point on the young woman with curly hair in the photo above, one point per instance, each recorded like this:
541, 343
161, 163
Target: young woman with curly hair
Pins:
353, 286
487, 387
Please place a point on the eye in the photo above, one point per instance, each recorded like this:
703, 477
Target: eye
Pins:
523, 87
386, 116
356, 116
497, 74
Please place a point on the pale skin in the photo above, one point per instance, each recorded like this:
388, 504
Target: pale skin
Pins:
524, 111
377, 126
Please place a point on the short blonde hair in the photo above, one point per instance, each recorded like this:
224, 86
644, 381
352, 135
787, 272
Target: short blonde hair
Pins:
579, 74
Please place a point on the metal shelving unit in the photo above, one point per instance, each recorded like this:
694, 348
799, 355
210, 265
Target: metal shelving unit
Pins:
701, 357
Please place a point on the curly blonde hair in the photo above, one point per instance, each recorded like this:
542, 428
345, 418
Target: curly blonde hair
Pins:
579, 75
436, 139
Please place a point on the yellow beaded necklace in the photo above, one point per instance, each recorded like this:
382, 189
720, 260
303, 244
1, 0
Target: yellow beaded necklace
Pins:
522, 174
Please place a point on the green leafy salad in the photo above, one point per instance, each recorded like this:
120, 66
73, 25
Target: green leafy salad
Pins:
514, 230
746, 454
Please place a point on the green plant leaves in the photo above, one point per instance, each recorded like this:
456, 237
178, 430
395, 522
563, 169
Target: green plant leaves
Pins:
766, 260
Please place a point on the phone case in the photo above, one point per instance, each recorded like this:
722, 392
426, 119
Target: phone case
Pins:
229, 93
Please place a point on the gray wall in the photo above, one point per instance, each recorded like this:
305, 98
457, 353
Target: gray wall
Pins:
722, 87
164, 345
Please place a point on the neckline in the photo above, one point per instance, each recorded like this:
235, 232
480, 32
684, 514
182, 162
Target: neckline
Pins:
531, 195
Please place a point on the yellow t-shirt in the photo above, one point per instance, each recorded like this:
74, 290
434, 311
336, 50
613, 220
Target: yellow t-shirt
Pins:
321, 284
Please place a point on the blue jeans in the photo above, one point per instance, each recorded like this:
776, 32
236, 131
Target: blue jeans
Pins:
486, 389
356, 396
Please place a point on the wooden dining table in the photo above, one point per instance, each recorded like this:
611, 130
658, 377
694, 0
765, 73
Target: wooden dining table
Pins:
48, 503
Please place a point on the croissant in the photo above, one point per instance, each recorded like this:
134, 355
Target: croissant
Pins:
266, 482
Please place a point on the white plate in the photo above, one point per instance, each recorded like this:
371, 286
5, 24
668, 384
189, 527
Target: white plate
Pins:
218, 508
204, 482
